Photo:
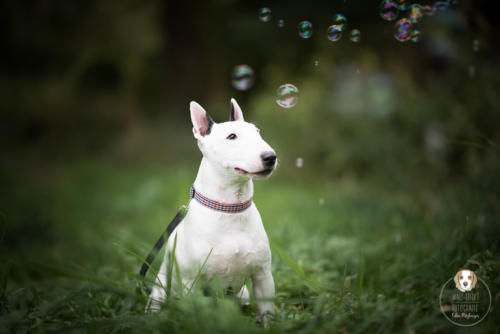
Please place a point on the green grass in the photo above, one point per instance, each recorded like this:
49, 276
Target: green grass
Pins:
348, 256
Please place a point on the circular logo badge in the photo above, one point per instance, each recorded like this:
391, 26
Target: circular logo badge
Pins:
465, 299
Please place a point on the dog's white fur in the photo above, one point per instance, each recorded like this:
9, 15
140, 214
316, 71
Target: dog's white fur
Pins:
465, 280
239, 243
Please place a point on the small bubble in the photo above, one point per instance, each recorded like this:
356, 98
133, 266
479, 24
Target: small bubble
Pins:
389, 10
472, 71
305, 29
287, 96
333, 33
316, 63
355, 35
475, 45
415, 36
340, 22
403, 30
416, 13
265, 14
242, 77
281, 23
321, 201
299, 162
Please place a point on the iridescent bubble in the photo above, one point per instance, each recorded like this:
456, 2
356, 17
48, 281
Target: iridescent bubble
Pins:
281, 23
299, 162
441, 5
287, 96
416, 13
429, 10
265, 14
305, 29
339, 21
389, 10
415, 36
333, 34
242, 77
355, 35
475, 45
403, 30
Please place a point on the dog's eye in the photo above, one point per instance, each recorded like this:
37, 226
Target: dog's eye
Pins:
232, 136
461, 277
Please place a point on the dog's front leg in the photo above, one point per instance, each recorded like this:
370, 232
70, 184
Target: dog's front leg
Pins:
263, 291
158, 293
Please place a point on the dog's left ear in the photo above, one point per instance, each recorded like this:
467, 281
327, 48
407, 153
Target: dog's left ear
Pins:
236, 113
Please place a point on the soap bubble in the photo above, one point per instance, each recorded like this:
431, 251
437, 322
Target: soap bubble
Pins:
472, 71
299, 162
415, 36
242, 77
316, 63
333, 33
355, 35
287, 96
339, 21
321, 201
403, 30
475, 45
416, 13
281, 23
305, 29
389, 10
265, 14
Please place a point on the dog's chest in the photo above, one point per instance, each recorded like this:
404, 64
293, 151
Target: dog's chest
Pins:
237, 244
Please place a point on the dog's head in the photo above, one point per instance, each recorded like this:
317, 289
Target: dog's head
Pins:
235, 146
465, 280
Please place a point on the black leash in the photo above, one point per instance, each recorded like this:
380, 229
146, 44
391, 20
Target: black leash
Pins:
159, 244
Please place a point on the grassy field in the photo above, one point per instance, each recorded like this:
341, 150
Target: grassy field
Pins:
349, 256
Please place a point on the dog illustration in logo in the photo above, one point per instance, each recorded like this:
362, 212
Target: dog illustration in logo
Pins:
465, 280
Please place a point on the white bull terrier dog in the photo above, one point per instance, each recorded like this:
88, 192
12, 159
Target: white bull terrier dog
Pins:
222, 219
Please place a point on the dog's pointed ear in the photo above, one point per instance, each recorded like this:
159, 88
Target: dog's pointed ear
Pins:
236, 113
202, 122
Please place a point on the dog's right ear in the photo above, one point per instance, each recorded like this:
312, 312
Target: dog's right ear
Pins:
202, 123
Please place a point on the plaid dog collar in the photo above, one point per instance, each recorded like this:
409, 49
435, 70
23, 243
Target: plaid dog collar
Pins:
223, 207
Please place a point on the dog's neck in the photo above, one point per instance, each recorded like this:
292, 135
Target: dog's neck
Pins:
222, 185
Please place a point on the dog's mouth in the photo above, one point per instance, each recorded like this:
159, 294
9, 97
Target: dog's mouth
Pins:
262, 173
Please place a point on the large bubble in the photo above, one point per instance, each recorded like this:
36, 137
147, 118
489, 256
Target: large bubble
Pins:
242, 77
287, 96
403, 30
389, 10
355, 35
265, 14
305, 29
339, 21
333, 33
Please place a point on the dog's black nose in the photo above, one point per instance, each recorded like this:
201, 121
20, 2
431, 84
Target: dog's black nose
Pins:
465, 283
269, 158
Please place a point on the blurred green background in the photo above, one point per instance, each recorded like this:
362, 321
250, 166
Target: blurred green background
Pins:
399, 141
